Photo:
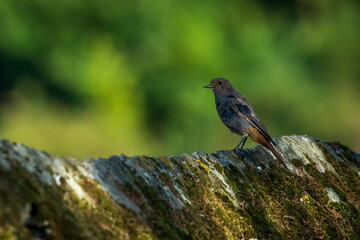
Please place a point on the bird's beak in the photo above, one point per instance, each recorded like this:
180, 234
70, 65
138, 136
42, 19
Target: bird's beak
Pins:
207, 86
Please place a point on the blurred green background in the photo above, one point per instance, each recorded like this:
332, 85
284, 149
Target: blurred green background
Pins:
92, 78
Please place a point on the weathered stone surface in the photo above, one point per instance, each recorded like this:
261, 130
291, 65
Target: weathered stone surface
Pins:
198, 196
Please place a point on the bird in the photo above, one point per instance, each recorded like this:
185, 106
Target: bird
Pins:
239, 116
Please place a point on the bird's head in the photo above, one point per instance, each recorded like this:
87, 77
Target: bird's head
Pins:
219, 86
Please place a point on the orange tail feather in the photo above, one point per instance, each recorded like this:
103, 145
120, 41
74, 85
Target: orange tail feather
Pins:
259, 138
272, 149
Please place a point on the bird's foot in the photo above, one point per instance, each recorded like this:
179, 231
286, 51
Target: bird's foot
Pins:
238, 151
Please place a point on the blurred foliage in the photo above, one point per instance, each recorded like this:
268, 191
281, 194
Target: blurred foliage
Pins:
95, 78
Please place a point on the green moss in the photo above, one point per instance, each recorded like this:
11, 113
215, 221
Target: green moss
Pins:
293, 191
178, 163
225, 199
218, 167
309, 167
7, 233
326, 152
265, 229
162, 222
234, 170
165, 179
341, 208
308, 158
348, 153
154, 162
342, 195
297, 163
298, 210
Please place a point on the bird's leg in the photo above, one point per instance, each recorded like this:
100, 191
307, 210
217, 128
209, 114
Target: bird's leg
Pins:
237, 146
243, 143
243, 140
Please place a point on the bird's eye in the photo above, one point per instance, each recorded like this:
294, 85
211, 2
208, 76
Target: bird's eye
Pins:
219, 82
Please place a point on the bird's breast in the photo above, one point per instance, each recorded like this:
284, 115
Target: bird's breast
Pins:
231, 119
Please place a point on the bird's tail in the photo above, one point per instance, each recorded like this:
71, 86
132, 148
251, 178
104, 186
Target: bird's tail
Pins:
268, 145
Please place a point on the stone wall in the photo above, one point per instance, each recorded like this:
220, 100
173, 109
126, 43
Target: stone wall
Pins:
198, 196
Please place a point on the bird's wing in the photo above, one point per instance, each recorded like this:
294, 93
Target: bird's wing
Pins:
242, 108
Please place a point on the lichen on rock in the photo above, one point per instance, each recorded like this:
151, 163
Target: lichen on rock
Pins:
200, 196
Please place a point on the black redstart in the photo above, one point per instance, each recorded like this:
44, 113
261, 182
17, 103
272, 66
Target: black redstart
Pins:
239, 116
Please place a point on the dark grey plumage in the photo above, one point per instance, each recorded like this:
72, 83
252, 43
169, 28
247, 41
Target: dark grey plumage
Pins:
239, 116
